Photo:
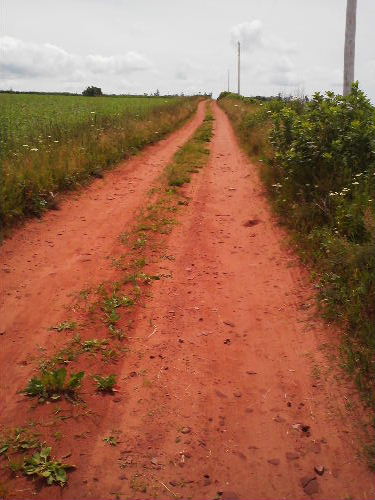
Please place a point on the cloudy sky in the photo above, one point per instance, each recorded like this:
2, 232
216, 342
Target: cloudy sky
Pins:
128, 46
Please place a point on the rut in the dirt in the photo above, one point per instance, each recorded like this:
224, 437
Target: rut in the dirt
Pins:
221, 395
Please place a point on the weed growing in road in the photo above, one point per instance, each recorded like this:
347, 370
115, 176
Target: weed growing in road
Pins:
117, 333
54, 384
110, 356
67, 354
20, 440
64, 326
105, 384
42, 466
94, 345
111, 440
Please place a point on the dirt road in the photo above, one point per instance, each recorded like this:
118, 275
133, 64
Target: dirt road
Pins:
227, 389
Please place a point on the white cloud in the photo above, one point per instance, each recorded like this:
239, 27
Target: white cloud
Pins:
282, 72
128, 63
287, 79
249, 34
188, 72
24, 59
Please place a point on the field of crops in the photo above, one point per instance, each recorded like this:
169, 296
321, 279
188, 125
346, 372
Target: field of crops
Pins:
49, 143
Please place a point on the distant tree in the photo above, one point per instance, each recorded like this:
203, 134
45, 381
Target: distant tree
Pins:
223, 94
92, 91
157, 93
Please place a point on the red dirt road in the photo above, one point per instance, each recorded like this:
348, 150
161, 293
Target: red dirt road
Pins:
226, 355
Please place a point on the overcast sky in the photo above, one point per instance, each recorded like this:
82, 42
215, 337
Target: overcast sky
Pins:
136, 46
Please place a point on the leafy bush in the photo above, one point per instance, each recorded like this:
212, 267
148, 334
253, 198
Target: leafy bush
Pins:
324, 162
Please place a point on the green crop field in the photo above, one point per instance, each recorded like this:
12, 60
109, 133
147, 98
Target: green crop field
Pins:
49, 143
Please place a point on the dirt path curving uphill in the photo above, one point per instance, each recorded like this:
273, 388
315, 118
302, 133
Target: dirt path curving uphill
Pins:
229, 394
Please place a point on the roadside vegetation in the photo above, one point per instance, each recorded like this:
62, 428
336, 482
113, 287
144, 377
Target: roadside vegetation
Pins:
95, 363
318, 164
52, 143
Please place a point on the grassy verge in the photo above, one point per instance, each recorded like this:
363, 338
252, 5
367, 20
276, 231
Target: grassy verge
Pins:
83, 364
318, 164
61, 156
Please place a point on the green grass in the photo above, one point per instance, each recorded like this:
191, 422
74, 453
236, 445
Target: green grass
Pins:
318, 166
52, 143
192, 156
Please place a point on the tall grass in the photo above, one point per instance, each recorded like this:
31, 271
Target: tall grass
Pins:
319, 165
53, 143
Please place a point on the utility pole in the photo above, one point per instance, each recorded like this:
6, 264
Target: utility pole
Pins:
349, 53
228, 80
239, 67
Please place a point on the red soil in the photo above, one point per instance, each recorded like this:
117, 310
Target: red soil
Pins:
226, 356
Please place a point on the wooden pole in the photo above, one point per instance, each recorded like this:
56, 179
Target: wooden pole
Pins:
239, 67
349, 53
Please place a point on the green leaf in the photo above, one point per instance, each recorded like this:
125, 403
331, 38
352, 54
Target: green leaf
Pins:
75, 380
60, 475
45, 452
4, 448
59, 377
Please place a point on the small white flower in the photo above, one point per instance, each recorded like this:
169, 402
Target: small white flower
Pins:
355, 182
25, 145
55, 141
34, 149
92, 112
